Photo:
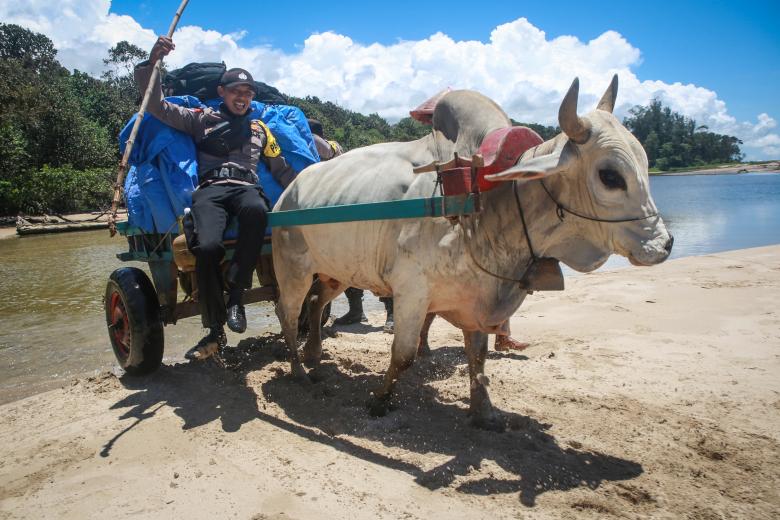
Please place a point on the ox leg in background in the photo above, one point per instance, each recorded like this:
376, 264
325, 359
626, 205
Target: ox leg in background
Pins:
409, 317
389, 326
322, 294
423, 349
480, 408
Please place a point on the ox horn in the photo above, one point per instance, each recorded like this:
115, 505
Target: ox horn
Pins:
607, 102
573, 125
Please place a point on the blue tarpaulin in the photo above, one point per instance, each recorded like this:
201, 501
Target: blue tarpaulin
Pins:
163, 165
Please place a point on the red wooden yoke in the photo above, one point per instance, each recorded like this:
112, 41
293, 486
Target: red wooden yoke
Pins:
499, 151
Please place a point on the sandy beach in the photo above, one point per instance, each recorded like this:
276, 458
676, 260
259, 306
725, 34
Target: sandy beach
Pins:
646, 393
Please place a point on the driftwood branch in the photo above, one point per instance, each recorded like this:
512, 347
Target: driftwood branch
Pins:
62, 217
39, 229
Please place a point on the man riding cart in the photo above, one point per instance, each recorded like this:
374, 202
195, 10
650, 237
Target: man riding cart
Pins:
230, 140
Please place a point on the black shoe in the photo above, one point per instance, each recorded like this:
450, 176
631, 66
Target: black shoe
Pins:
352, 316
206, 346
355, 313
236, 318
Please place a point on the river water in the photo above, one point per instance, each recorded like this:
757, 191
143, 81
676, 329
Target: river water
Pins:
52, 325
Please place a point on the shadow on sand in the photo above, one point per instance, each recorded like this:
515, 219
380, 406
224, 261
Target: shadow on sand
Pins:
331, 411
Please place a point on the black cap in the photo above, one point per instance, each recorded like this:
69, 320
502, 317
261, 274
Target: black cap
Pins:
234, 77
316, 127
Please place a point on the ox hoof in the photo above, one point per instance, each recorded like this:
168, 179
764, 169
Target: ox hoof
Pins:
492, 422
311, 357
378, 406
311, 363
299, 375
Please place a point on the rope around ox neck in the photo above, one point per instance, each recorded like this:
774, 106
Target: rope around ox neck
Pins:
467, 234
561, 211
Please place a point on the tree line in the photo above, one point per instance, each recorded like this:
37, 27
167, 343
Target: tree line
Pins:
672, 140
58, 129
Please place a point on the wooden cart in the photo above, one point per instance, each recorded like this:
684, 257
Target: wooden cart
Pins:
138, 309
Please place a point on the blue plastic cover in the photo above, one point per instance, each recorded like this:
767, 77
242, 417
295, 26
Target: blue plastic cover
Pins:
164, 170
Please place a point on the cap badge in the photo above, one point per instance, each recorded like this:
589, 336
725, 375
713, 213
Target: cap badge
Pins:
242, 76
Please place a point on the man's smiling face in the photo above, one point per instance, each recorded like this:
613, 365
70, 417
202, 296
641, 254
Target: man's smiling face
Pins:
236, 98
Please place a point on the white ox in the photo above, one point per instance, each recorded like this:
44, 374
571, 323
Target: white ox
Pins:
595, 168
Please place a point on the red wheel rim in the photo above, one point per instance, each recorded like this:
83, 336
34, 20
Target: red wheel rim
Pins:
120, 325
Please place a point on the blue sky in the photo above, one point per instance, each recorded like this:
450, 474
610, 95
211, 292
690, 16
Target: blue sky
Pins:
716, 62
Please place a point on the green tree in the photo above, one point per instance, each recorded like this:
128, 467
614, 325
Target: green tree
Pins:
652, 147
121, 60
545, 132
672, 140
46, 126
32, 51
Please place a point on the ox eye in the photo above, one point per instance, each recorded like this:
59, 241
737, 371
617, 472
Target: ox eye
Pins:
612, 179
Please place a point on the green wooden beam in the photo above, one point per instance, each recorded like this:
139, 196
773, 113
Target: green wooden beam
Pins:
386, 210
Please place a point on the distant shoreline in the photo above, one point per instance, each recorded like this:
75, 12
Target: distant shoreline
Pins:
767, 167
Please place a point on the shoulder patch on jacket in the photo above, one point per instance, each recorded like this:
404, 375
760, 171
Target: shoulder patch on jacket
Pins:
271, 146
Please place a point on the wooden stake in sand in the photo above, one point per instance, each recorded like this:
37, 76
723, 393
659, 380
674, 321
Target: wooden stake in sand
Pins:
122, 171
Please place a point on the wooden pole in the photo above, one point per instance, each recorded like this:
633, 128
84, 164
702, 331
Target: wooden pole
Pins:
122, 170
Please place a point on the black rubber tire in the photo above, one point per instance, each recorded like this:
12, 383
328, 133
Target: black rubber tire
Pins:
135, 327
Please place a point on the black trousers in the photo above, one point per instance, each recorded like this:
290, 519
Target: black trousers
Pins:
212, 207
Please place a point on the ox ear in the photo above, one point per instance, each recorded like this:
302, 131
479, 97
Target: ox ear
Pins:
532, 168
607, 102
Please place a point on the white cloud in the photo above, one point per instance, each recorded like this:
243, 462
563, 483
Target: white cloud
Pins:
768, 140
82, 30
522, 69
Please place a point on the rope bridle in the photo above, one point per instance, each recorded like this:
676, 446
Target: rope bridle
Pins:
560, 211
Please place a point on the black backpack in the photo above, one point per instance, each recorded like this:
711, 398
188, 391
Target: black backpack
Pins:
202, 79
194, 79
269, 95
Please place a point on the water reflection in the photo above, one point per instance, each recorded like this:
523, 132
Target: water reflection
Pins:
51, 298
708, 214
52, 322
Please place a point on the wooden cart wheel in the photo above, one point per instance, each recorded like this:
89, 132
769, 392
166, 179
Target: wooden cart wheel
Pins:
134, 324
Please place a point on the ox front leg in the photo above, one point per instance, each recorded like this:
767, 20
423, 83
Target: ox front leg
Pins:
409, 317
288, 308
481, 410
